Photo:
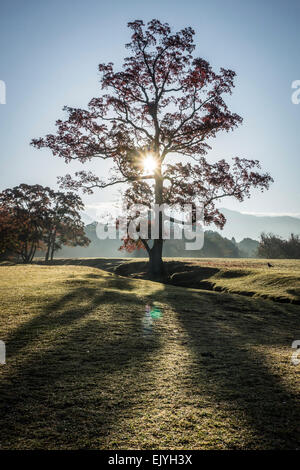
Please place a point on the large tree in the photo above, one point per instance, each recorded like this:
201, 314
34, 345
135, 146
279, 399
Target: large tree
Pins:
167, 103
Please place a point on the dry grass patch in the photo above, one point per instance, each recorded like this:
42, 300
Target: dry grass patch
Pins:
83, 371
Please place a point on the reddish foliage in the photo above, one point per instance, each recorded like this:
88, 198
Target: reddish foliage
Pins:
33, 216
165, 100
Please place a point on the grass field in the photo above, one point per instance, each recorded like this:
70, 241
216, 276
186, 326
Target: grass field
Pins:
251, 277
85, 369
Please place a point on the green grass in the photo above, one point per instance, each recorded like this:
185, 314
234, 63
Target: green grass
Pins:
251, 277
82, 371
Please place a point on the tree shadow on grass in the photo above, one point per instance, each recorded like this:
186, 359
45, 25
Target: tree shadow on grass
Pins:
54, 315
296, 293
80, 374
83, 299
107, 264
77, 371
230, 337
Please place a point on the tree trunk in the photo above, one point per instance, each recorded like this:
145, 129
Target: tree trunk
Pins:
53, 245
156, 264
32, 253
28, 252
48, 249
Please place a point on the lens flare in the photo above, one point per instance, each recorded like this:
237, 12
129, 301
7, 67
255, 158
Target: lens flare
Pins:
155, 313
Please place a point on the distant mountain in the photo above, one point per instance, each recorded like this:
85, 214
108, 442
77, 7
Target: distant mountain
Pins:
97, 248
239, 238
215, 246
241, 226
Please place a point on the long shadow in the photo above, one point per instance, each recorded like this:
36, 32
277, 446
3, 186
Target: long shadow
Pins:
296, 293
108, 264
227, 335
124, 267
54, 315
72, 391
77, 389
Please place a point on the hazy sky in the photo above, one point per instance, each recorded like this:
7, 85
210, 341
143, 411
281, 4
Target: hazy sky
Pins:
49, 56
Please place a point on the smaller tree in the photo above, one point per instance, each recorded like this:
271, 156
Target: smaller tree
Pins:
24, 207
63, 225
33, 216
293, 247
8, 233
272, 247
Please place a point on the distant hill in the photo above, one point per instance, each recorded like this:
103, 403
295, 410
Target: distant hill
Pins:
248, 248
241, 226
97, 248
244, 228
215, 246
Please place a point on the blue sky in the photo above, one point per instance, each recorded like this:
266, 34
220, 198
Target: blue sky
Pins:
49, 56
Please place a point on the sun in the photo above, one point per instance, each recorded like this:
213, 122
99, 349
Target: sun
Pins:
149, 164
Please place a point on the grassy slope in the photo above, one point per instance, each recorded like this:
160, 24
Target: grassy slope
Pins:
253, 277
250, 277
82, 371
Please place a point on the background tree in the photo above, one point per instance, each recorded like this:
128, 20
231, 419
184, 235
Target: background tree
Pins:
70, 234
35, 217
248, 248
63, 225
272, 247
27, 206
8, 233
164, 103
